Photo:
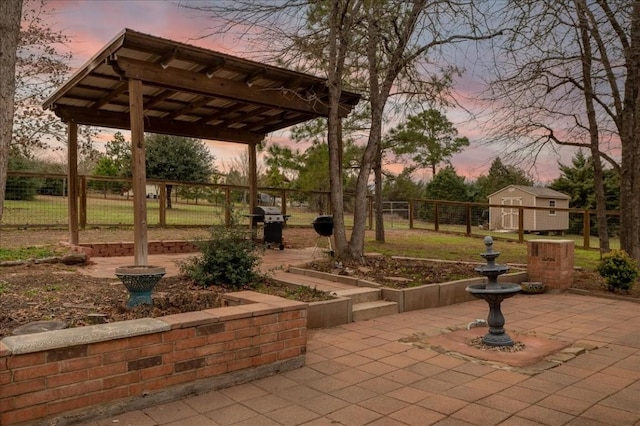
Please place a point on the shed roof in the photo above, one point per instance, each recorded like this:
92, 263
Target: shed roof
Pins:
537, 191
191, 91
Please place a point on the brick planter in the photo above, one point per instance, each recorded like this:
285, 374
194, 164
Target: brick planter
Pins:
82, 373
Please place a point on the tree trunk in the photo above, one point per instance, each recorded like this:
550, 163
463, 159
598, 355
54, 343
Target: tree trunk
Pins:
337, 53
10, 14
630, 140
379, 204
594, 133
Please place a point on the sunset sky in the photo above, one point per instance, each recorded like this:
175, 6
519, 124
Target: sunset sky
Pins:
91, 24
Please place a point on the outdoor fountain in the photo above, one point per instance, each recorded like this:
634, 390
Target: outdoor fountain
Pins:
494, 293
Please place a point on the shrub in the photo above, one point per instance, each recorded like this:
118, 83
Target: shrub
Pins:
228, 259
618, 269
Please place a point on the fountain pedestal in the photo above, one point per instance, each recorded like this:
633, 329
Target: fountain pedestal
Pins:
494, 293
140, 280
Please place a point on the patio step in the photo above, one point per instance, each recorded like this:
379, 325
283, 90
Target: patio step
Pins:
360, 294
368, 310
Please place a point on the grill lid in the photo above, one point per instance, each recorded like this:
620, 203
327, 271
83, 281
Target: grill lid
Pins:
264, 210
323, 225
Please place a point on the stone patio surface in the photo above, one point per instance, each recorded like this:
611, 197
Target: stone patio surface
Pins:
405, 369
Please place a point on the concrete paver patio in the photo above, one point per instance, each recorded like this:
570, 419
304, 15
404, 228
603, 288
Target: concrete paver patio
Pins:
362, 374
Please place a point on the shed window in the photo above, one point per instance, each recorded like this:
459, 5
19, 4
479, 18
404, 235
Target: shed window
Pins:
552, 203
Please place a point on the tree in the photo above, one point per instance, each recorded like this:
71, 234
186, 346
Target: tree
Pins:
282, 163
500, 176
568, 75
10, 11
42, 66
448, 185
385, 44
577, 181
179, 159
428, 139
18, 187
402, 187
115, 162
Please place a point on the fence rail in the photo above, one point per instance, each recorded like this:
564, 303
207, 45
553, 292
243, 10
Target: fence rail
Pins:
40, 200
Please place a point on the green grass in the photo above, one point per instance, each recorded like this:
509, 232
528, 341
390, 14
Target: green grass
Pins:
26, 253
426, 244
48, 210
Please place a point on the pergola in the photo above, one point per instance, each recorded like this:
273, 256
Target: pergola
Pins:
144, 83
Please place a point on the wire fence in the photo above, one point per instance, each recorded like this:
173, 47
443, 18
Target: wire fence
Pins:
40, 200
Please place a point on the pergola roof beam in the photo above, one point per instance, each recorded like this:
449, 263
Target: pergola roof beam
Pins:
192, 82
121, 120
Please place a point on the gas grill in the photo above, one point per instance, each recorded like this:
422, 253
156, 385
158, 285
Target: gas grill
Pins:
273, 221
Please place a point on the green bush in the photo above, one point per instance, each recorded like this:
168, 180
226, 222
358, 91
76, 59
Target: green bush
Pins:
22, 187
618, 269
228, 259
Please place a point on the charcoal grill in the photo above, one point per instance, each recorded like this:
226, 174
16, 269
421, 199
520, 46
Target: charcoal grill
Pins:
323, 225
273, 221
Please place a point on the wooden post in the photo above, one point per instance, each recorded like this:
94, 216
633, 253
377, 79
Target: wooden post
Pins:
468, 208
83, 202
436, 216
283, 201
253, 178
411, 207
521, 224
227, 206
72, 199
586, 229
162, 200
136, 111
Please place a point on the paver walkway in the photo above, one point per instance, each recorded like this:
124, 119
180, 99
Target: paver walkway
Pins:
362, 374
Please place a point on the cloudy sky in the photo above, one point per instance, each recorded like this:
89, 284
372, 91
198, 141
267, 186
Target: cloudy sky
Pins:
91, 24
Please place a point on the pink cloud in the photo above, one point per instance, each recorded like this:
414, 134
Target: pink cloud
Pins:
91, 24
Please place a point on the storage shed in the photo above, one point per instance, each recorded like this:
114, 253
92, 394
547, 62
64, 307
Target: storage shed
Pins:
505, 203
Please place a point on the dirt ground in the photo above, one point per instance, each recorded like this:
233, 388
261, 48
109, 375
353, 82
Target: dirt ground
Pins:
34, 292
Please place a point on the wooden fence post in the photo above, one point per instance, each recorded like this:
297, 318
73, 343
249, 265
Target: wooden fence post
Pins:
162, 204
83, 202
521, 224
436, 216
410, 214
227, 206
586, 229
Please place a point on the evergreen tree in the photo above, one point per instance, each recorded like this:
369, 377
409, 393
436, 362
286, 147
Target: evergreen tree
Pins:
427, 139
577, 181
448, 185
177, 158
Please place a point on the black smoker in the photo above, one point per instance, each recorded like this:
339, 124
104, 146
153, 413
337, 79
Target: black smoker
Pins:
273, 221
323, 225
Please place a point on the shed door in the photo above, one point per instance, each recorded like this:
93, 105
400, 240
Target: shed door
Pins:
510, 215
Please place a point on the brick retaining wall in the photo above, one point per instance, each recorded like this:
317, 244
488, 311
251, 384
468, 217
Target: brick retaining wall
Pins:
126, 248
84, 372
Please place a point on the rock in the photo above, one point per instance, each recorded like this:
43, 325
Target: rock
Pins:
74, 258
97, 318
